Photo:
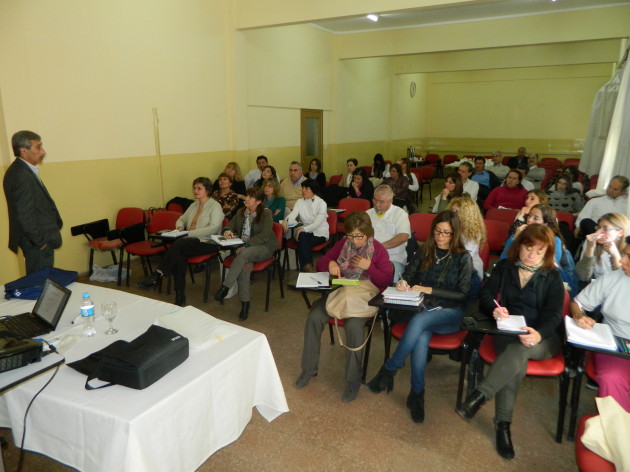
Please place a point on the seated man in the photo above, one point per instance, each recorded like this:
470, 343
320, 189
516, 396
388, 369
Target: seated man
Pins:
471, 187
535, 174
255, 174
391, 227
525, 182
519, 159
486, 180
291, 187
497, 167
615, 201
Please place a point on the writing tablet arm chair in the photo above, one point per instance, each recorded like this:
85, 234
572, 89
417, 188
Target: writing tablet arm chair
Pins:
96, 235
123, 237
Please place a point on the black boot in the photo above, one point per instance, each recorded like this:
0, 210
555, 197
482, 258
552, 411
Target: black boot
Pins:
504, 440
470, 407
180, 298
153, 281
244, 311
221, 293
384, 380
415, 402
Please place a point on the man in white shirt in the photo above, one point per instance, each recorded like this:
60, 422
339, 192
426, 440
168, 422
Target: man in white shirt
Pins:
615, 201
391, 227
525, 182
471, 187
255, 174
291, 187
535, 174
497, 167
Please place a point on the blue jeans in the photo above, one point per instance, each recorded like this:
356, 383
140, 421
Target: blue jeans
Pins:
415, 341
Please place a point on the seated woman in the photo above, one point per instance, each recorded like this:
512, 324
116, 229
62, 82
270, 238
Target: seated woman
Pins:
527, 283
268, 172
543, 215
453, 188
399, 184
441, 270
361, 186
253, 224
510, 195
312, 213
238, 183
473, 232
414, 185
610, 292
227, 198
380, 170
534, 197
356, 256
565, 197
202, 219
273, 201
315, 173
601, 252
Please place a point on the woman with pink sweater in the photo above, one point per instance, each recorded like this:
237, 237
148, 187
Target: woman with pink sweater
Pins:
510, 195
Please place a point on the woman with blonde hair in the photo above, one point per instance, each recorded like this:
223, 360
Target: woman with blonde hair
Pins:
473, 229
602, 249
534, 197
238, 182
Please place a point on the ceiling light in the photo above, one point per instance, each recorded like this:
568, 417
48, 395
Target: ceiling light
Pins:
373, 17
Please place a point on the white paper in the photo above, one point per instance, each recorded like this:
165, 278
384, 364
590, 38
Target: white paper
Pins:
312, 280
393, 292
600, 335
200, 328
223, 241
173, 234
512, 323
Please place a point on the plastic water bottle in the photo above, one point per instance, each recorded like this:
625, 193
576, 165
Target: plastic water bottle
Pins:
87, 314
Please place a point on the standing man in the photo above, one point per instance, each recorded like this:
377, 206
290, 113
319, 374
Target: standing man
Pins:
497, 166
471, 187
291, 187
391, 227
34, 222
255, 174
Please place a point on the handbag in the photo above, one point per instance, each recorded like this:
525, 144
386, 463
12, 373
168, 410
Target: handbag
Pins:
30, 286
138, 363
351, 301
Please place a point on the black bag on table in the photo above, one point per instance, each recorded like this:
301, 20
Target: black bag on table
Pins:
138, 363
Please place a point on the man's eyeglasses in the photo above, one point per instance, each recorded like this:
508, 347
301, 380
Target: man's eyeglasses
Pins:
606, 229
358, 237
439, 232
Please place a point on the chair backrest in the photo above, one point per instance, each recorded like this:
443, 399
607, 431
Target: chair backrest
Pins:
505, 160
469, 156
484, 254
335, 179
550, 160
93, 230
432, 158
572, 162
332, 222
367, 169
499, 214
129, 216
449, 158
497, 234
567, 217
163, 219
353, 204
420, 224
427, 173
279, 232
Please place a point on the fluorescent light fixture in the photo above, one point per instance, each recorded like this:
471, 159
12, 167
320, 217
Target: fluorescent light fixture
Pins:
373, 17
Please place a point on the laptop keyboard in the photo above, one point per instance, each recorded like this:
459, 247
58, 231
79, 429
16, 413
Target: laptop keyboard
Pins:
23, 325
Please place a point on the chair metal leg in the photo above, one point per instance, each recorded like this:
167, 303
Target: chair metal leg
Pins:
268, 288
128, 267
206, 288
113, 253
332, 338
91, 262
562, 403
192, 276
462, 373
366, 355
120, 266
280, 277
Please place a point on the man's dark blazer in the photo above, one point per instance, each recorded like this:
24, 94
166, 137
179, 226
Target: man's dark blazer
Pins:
33, 214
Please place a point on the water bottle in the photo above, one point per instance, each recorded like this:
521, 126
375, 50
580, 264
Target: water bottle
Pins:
87, 314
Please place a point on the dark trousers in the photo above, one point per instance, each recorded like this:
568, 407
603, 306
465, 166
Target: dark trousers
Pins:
175, 260
305, 243
35, 258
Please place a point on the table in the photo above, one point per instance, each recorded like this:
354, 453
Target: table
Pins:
175, 424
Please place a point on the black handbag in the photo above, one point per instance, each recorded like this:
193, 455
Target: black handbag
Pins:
138, 363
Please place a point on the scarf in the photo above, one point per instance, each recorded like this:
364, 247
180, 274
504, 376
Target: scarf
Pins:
533, 268
348, 251
247, 225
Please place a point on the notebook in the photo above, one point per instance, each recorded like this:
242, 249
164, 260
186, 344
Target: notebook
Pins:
45, 315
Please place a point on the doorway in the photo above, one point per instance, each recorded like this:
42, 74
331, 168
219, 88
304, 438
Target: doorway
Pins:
311, 136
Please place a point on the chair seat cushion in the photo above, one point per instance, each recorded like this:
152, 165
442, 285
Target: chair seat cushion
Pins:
257, 267
104, 244
586, 459
443, 342
547, 367
290, 243
143, 248
202, 258
320, 247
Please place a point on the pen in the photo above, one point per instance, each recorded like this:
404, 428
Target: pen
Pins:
315, 280
498, 306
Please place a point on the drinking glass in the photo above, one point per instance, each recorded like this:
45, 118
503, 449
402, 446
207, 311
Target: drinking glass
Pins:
109, 313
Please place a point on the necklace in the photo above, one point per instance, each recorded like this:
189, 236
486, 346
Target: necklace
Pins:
440, 259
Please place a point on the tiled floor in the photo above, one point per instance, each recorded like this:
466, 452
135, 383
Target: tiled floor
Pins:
375, 432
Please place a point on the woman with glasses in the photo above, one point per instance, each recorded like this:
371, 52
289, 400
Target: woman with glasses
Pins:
356, 256
527, 283
601, 252
441, 269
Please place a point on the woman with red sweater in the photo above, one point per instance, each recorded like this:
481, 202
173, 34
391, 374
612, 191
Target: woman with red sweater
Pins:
510, 195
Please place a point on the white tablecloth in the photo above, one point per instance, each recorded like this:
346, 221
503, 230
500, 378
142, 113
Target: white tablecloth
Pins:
173, 425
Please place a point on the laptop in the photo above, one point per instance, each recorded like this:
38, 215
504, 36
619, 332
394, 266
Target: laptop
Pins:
45, 315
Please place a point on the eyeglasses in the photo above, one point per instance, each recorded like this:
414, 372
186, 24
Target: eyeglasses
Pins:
439, 232
358, 237
606, 229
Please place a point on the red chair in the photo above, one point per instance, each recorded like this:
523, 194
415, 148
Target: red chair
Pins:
433, 160
499, 214
349, 205
161, 220
497, 234
469, 156
269, 265
551, 161
420, 224
450, 158
425, 177
587, 460
585, 363
505, 160
292, 243
572, 162
368, 170
567, 217
484, 255
592, 181
553, 367
335, 179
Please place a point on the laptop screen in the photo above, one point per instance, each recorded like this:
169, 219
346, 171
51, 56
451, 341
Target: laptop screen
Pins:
51, 302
